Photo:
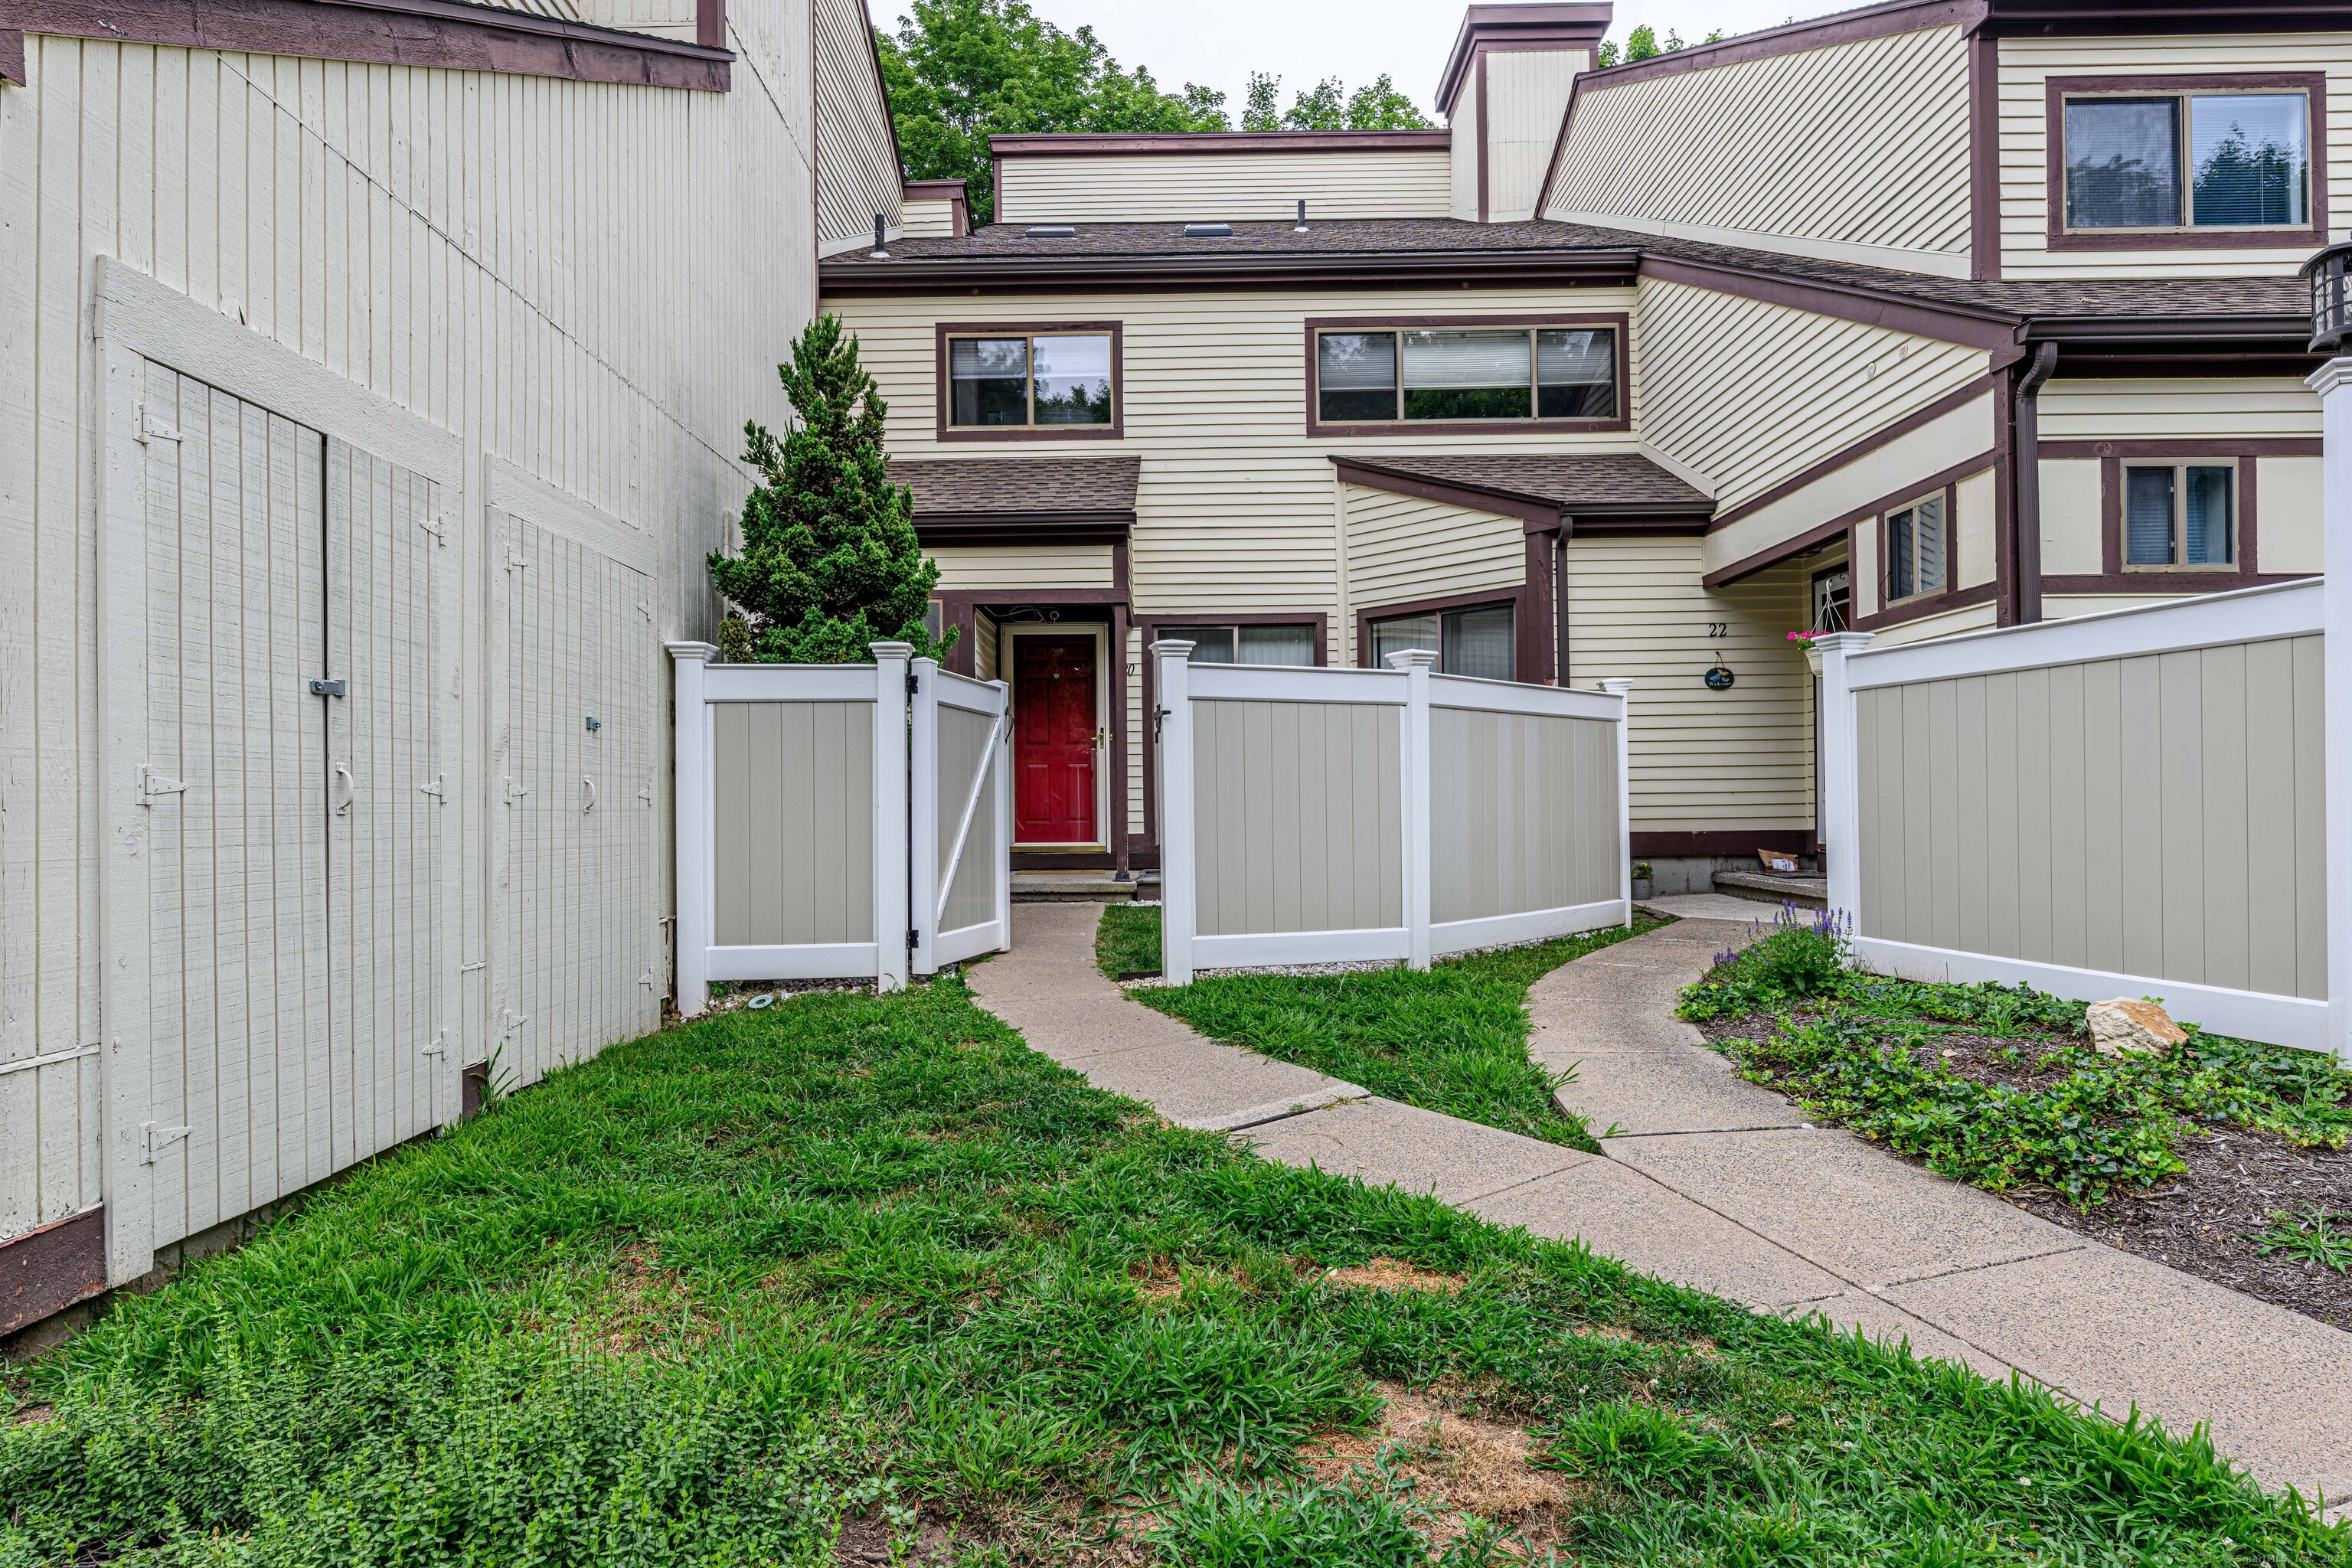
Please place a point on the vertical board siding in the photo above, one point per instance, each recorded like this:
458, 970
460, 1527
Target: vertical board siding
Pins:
1747, 394
1227, 188
1299, 816
1523, 813
2026, 65
2158, 815
516, 260
965, 761
1527, 94
1869, 148
1401, 547
857, 172
793, 800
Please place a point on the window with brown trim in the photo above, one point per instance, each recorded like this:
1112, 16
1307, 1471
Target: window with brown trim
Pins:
2181, 517
1270, 642
2206, 161
1919, 548
1021, 381
1474, 373
1479, 641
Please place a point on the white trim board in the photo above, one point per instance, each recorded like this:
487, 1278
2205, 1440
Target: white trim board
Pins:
1532, 925
2297, 1021
520, 493
1247, 949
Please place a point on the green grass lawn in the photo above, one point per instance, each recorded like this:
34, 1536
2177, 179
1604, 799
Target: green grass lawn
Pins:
1451, 1038
869, 1258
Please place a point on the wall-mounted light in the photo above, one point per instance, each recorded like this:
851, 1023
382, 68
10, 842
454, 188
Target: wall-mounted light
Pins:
2331, 311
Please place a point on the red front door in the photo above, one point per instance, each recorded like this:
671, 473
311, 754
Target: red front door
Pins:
1054, 740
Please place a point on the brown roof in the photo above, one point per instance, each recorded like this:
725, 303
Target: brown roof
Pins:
1604, 483
1000, 498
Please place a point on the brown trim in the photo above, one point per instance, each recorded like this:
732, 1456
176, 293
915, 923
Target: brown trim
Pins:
448, 34
1024, 528
1845, 28
1916, 608
2242, 447
1984, 158
881, 96
2312, 84
1517, 28
1317, 430
1821, 534
12, 56
1065, 860
1960, 397
1910, 496
1482, 136
1195, 143
711, 23
2114, 577
851, 277
1984, 329
2015, 598
1528, 602
996, 191
474, 1088
1742, 841
48, 1269
1113, 431
1536, 513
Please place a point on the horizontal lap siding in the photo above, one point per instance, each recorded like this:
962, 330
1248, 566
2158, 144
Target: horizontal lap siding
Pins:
1748, 395
2027, 64
793, 792
927, 220
2158, 815
1401, 547
857, 173
1869, 147
1523, 813
1702, 761
1298, 817
1023, 566
510, 257
1227, 188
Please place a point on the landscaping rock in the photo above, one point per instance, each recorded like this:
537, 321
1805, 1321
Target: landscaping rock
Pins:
2123, 1027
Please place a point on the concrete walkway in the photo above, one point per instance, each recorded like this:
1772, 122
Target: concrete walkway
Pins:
1719, 1184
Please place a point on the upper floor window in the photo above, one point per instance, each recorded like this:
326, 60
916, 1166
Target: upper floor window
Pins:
2181, 514
1013, 381
2184, 161
1474, 374
1915, 549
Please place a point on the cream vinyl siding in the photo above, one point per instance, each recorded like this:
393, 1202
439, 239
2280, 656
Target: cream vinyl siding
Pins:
606, 320
1023, 566
2162, 410
985, 643
664, 18
1975, 509
1220, 187
1702, 761
2027, 64
1235, 508
1527, 92
857, 173
2158, 815
2071, 525
1462, 165
1967, 618
1743, 395
927, 219
1855, 152
1401, 547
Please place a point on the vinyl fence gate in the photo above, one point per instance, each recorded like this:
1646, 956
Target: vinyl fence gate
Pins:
847, 821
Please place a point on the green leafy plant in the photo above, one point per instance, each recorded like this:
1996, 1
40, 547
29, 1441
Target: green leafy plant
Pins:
830, 562
2310, 1235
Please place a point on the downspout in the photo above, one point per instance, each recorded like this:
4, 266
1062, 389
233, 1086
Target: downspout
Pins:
2025, 462
1559, 598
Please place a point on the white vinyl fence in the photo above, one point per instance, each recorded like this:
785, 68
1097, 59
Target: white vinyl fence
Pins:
1314, 815
2123, 804
836, 821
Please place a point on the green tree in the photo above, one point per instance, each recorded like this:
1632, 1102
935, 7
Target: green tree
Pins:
1325, 109
960, 70
830, 562
1376, 106
1260, 107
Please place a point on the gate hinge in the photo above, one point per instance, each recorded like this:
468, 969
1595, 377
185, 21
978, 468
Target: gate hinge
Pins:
914, 939
153, 429
646, 793
515, 561
913, 684
647, 979
156, 1139
645, 609
514, 792
440, 1044
330, 688
432, 525
434, 789
153, 783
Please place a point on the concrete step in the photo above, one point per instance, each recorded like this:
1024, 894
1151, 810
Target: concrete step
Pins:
1807, 892
1082, 886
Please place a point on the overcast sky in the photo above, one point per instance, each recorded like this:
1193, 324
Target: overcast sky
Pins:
1219, 42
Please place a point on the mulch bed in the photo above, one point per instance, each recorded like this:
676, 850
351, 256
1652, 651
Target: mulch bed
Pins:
2198, 1221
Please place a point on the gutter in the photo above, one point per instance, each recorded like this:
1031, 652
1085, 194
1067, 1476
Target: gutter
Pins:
953, 274
2025, 464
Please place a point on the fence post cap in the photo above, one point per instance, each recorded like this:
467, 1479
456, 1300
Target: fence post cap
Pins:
882, 651
686, 651
1616, 685
1413, 658
1171, 647
1843, 642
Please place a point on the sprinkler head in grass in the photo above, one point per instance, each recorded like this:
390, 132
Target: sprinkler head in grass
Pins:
756, 1003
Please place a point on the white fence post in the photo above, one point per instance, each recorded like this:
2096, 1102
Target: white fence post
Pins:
923, 813
1170, 669
890, 769
1841, 781
1419, 782
1002, 763
1623, 690
2333, 382
690, 730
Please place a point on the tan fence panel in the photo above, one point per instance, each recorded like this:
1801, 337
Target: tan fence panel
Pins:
1524, 813
2155, 816
794, 810
964, 738
1300, 815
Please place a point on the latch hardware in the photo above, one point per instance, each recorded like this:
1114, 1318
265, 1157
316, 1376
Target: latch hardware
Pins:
329, 687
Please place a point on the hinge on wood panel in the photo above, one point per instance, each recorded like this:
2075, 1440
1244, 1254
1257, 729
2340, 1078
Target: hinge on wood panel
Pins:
469, 968
153, 783
646, 793
647, 979
645, 609
432, 525
434, 789
513, 792
440, 1044
154, 1139
153, 429
515, 559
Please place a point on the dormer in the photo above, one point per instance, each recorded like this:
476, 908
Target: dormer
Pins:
1505, 88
